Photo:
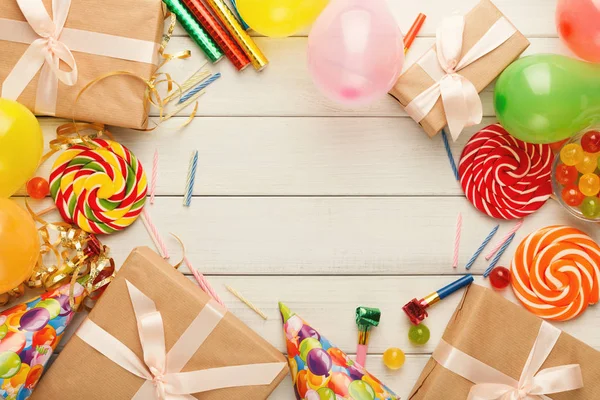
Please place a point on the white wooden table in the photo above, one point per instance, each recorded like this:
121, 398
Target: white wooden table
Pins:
325, 208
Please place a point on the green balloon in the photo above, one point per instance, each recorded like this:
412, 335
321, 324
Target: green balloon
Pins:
10, 364
52, 305
361, 390
326, 394
3, 331
307, 345
546, 98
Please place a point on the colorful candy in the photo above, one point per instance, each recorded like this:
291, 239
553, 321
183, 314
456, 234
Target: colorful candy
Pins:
571, 154
500, 278
101, 189
566, 175
394, 358
321, 371
590, 207
572, 195
555, 272
37, 188
588, 163
419, 334
589, 184
590, 142
504, 177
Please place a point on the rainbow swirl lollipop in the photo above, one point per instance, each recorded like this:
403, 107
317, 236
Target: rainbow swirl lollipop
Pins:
100, 189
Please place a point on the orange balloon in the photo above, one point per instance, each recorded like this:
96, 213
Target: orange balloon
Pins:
19, 245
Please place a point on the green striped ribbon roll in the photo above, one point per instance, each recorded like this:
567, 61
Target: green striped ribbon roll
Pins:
195, 30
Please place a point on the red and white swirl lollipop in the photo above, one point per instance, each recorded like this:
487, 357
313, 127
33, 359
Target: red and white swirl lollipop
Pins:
505, 177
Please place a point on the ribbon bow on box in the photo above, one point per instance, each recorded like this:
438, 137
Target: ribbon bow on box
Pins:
491, 384
50, 43
443, 63
161, 369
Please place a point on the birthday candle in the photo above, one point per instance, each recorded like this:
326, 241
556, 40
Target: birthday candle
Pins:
498, 255
480, 249
199, 87
191, 177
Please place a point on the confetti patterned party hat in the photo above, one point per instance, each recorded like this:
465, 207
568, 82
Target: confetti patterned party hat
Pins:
320, 370
29, 334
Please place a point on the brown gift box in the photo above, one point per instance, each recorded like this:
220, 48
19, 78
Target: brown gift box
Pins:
116, 100
481, 73
501, 334
80, 372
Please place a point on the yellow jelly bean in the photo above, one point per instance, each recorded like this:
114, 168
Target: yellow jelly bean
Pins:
571, 154
394, 358
588, 163
589, 184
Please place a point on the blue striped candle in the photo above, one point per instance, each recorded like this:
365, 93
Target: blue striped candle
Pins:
450, 156
191, 177
199, 87
498, 255
480, 249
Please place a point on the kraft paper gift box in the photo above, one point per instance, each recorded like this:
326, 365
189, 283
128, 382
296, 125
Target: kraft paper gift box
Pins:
103, 36
82, 372
501, 335
485, 22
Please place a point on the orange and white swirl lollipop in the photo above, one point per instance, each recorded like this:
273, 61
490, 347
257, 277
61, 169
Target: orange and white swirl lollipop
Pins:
556, 271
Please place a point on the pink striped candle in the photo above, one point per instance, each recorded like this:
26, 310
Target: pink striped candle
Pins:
457, 240
504, 239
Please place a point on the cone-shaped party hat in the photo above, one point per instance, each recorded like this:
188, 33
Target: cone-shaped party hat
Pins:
322, 371
29, 334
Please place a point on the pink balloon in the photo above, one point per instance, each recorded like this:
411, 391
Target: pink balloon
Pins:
578, 23
355, 51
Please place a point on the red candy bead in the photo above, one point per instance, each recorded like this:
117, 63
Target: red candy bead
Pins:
566, 175
500, 278
38, 188
572, 196
591, 142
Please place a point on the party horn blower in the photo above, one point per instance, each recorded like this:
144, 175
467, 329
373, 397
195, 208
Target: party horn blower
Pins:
366, 318
222, 11
29, 334
218, 33
195, 30
416, 310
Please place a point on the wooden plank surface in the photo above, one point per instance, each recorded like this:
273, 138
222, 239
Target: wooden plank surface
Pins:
325, 235
323, 207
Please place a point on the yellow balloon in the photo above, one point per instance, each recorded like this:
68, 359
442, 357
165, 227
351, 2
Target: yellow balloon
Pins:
279, 18
19, 245
21, 146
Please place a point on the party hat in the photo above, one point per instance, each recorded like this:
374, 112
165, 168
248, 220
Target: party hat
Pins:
320, 370
29, 334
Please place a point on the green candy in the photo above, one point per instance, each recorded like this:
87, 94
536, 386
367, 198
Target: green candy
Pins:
546, 98
419, 334
590, 207
3, 331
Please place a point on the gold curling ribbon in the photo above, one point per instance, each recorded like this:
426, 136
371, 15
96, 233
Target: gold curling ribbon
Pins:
76, 253
152, 95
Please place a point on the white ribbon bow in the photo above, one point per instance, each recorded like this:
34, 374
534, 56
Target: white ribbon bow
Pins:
44, 53
491, 384
161, 370
460, 98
